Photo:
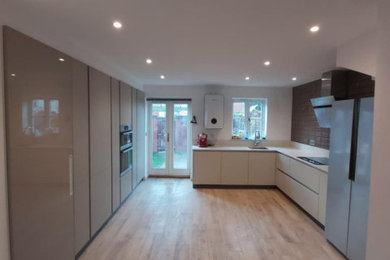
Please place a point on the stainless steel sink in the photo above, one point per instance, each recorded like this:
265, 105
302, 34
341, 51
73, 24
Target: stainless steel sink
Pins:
258, 147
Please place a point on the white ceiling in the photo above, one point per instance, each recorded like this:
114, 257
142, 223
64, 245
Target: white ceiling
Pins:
199, 41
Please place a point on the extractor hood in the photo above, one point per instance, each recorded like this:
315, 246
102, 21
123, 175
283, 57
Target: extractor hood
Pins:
333, 87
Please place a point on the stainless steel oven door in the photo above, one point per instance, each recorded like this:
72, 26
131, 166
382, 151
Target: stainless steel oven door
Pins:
126, 157
126, 139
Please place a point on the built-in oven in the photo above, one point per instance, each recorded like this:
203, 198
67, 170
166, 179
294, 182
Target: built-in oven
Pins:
126, 137
126, 158
126, 149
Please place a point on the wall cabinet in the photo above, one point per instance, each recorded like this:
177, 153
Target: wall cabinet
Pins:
115, 122
234, 168
100, 147
207, 167
261, 168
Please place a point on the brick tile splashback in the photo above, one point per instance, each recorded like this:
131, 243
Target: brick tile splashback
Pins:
305, 128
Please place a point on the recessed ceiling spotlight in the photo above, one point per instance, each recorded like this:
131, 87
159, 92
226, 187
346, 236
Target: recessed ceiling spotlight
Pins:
267, 63
13, 75
149, 61
314, 28
294, 78
61, 59
247, 78
117, 24
162, 77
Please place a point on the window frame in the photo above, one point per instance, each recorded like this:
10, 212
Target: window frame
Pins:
247, 101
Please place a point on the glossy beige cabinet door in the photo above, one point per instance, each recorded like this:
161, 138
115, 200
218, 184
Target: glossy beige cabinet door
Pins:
206, 167
322, 198
140, 137
100, 147
39, 126
234, 168
261, 168
126, 185
81, 155
126, 103
115, 122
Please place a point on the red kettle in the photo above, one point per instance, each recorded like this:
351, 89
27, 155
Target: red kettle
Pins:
202, 140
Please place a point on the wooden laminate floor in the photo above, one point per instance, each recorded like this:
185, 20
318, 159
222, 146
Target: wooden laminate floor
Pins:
168, 219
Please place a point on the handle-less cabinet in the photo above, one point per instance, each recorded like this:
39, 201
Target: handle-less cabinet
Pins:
115, 122
140, 137
100, 148
126, 101
39, 122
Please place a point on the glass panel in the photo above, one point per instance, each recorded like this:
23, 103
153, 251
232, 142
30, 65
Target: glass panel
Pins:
255, 119
180, 131
239, 120
159, 126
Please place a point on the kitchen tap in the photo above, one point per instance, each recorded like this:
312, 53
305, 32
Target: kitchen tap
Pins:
257, 140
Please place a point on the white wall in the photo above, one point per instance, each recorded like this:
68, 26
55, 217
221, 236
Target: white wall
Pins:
279, 107
4, 244
379, 215
359, 54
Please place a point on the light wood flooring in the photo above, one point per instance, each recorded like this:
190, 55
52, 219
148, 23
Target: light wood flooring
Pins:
168, 219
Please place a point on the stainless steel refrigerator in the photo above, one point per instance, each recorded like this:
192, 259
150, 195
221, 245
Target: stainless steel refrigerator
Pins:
349, 176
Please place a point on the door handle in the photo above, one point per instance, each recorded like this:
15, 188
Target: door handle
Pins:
70, 162
167, 137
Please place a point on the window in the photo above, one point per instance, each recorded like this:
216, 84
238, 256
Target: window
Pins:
249, 116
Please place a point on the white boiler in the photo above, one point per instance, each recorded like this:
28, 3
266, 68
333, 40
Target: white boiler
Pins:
213, 111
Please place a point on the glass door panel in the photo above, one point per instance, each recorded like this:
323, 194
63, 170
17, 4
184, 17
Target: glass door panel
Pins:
180, 136
159, 134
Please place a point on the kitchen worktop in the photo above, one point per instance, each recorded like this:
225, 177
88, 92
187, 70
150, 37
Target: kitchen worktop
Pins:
292, 152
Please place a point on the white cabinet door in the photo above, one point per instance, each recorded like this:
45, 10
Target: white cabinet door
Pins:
207, 167
234, 168
304, 197
283, 163
305, 174
261, 168
322, 198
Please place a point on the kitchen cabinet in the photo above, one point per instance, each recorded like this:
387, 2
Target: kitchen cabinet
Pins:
100, 148
115, 122
304, 197
261, 168
126, 185
126, 101
283, 162
39, 129
234, 168
80, 155
206, 167
322, 198
305, 174
140, 137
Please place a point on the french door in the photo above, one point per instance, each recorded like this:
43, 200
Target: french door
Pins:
169, 137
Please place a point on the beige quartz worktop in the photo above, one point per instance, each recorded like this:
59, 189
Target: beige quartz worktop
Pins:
291, 152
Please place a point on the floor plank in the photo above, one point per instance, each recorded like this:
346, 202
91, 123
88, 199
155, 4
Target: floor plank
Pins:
168, 219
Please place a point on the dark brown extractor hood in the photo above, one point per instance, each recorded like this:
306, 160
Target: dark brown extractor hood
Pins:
333, 87
340, 84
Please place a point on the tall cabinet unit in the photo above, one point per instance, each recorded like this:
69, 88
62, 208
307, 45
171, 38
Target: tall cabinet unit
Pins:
39, 122
140, 124
100, 148
126, 118
115, 122
81, 155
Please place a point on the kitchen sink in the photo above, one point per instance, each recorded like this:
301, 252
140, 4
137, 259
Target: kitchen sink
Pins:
258, 147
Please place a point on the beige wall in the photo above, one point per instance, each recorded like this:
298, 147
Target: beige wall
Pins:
279, 107
379, 215
359, 54
4, 247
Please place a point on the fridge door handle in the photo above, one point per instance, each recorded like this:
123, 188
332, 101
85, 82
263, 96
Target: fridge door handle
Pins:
355, 128
70, 164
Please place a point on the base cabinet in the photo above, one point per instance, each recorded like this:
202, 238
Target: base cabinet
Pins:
234, 168
261, 168
126, 185
207, 167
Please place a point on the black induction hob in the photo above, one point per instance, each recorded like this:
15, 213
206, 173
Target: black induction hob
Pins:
316, 160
